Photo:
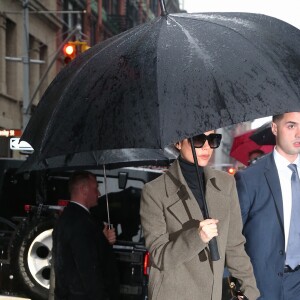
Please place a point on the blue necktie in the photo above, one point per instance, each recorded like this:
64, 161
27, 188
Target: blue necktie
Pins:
293, 247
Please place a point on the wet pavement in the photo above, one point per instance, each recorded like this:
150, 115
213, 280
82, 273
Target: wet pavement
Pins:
12, 298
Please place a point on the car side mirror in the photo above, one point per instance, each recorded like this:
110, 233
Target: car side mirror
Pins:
122, 180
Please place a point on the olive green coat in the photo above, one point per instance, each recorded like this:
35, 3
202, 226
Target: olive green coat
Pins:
181, 268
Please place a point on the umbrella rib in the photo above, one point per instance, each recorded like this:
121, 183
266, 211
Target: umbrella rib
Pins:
193, 41
221, 25
205, 57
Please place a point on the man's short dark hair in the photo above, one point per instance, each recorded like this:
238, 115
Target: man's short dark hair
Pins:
277, 118
79, 177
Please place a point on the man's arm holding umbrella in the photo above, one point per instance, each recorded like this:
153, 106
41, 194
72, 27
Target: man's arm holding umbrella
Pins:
110, 234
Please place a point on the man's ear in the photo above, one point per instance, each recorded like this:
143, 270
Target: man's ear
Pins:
178, 146
274, 128
84, 188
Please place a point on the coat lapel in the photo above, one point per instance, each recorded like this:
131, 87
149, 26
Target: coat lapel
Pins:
272, 177
215, 197
182, 203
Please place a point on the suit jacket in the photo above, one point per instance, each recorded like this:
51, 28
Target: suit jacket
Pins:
262, 212
181, 266
83, 259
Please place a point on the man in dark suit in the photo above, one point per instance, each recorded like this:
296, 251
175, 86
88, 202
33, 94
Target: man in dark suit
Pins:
267, 200
83, 260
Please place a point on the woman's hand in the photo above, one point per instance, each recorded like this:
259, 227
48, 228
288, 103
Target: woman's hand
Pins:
208, 229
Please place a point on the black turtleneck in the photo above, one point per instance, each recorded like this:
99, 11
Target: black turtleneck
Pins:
190, 175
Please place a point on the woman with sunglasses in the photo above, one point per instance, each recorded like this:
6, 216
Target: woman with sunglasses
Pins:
177, 233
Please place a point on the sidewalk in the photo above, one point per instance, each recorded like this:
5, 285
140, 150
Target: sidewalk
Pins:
12, 298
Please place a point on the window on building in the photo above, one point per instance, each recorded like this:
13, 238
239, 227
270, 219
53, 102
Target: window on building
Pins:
43, 67
4, 147
11, 51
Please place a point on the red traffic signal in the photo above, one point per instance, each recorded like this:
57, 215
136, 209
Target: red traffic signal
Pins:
69, 51
231, 170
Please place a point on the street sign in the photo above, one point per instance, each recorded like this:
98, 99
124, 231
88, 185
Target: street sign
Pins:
10, 132
15, 144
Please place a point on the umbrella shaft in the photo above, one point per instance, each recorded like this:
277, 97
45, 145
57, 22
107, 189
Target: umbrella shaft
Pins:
106, 197
206, 214
213, 245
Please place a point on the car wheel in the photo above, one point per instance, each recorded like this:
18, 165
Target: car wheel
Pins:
31, 258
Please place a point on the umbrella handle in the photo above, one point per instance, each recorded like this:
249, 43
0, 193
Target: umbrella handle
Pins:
212, 244
213, 248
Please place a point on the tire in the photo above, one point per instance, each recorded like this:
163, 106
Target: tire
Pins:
31, 258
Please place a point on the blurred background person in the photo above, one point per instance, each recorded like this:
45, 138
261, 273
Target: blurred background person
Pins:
254, 155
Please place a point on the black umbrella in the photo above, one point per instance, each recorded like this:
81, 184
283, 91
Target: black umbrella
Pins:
169, 79
263, 135
96, 159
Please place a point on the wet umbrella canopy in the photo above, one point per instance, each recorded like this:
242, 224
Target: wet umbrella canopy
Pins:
168, 79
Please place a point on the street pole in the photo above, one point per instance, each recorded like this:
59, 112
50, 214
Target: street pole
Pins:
48, 69
25, 59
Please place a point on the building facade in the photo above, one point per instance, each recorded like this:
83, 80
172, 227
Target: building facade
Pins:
40, 47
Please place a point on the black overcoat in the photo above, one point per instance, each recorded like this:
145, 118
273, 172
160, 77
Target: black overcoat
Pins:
83, 260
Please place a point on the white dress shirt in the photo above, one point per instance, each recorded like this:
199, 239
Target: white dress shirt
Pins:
81, 205
285, 174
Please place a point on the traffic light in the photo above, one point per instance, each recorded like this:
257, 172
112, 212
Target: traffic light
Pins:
231, 170
72, 49
69, 51
84, 46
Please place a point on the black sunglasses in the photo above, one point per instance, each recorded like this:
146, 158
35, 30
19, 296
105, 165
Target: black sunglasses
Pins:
214, 140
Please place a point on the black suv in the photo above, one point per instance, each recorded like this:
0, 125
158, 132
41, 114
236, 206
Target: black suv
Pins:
29, 206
